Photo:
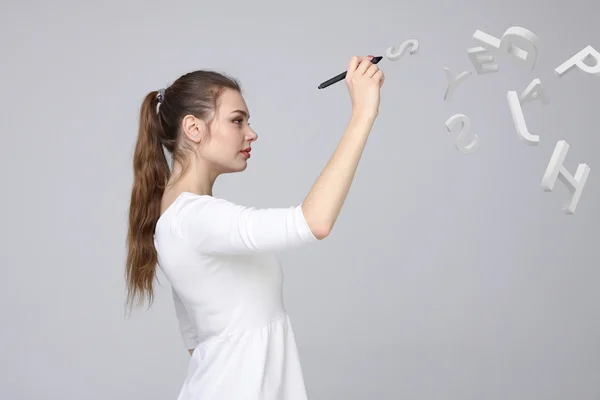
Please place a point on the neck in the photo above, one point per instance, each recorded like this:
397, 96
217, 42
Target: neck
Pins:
196, 179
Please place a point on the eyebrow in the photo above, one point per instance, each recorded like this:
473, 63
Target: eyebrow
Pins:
244, 113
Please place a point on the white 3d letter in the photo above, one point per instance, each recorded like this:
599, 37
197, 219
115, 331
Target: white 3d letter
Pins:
578, 60
466, 127
453, 82
522, 44
535, 91
396, 56
556, 170
478, 56
516, 41
519, 120
486, 40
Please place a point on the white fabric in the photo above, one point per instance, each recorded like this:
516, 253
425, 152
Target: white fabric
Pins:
227, 290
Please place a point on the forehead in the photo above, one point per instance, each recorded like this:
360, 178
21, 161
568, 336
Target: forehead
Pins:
232, 100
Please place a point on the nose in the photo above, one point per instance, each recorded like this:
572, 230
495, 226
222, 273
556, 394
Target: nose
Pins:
252, 135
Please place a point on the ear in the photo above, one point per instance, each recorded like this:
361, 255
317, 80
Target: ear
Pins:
193, 128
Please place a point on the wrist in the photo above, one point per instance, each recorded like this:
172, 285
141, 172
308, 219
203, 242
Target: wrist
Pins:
363, 116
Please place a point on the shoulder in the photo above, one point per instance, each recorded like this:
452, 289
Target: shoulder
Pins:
203, 220
195, 212
194, 205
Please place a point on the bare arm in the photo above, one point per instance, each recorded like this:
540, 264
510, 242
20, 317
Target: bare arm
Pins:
216, 226
324, 202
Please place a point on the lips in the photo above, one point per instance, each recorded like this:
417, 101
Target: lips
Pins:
246, 152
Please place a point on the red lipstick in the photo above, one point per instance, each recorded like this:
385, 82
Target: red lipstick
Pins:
246, 152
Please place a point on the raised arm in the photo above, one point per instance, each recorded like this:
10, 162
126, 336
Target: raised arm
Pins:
216, 226
324, 202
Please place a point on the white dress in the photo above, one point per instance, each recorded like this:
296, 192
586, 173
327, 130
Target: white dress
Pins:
227, 288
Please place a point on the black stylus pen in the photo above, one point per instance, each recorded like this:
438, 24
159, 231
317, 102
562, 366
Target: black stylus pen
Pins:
342, 76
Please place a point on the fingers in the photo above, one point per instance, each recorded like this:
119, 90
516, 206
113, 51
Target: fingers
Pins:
372, 70
364, 65
379, 76
355, 63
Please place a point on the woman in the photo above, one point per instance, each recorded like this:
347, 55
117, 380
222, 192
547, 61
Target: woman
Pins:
218, 256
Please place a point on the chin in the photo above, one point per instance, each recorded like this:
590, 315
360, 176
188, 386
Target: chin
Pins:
243, 167
237, 168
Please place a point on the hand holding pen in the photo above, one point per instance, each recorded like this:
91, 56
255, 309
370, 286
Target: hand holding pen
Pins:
341, 76
364, 80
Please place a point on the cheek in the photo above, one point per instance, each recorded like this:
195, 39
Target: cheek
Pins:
226, 142
236, 137
228, 146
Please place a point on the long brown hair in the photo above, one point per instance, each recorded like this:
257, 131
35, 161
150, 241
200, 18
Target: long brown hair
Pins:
195, 93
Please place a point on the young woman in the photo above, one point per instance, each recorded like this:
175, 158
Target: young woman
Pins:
218, 256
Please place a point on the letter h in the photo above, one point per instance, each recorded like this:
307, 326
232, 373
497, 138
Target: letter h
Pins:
556, 170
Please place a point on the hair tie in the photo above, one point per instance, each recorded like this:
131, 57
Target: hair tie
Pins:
161, 95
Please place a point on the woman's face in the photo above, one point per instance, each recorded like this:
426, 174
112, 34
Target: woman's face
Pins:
229, 137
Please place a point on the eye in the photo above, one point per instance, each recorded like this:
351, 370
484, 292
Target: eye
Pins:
240, 120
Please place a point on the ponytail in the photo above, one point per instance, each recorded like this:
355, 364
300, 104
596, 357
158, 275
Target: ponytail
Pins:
194, 93
151, 174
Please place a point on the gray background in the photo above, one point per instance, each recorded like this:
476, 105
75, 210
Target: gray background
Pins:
447, 276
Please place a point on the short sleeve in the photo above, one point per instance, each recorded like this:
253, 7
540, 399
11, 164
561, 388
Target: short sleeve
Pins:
216, 226
187, 328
